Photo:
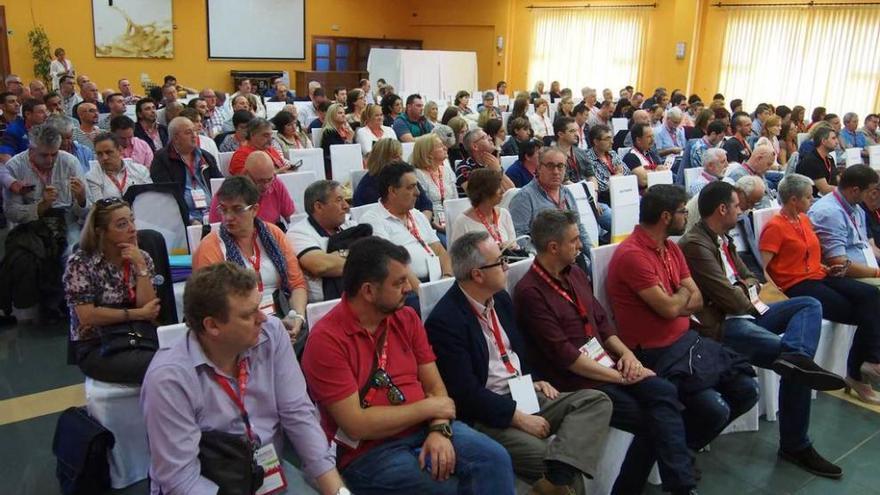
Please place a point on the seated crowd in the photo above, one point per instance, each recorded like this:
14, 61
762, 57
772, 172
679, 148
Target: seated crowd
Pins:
491, 385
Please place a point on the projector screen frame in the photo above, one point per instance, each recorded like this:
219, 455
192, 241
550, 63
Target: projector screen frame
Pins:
211, 56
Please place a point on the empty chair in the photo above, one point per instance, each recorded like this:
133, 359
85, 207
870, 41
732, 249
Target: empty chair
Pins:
309, 160
296, 184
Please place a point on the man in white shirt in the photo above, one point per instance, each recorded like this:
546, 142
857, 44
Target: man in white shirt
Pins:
327, 209
394, 218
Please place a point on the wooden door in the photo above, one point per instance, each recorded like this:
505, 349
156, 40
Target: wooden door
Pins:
4, 48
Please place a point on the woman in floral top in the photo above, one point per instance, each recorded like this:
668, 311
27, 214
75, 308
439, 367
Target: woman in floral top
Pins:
109, 281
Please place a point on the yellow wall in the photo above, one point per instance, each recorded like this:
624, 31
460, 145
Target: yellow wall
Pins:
68, 24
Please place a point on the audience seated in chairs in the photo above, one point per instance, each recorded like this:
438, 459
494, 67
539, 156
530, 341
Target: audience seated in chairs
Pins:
653, 294
191, 407
182, 162
793, 258
259, 138
290, 134
738, 150
148, 128
238, 136
372, 129
321, 240
373, 374
477, 314
525, 168
64, 126
546, 192
385, 151
712, 139
114, 174
435, 177
276, 205
481, 151
411, 124
642, 157
109, 288
334, 131
395, 219
248, 241
519, 134
606, 163
782, 336
484, 215
759, 164
817, 163
713, 162
575, 346
14, 139
132, 146
669, 137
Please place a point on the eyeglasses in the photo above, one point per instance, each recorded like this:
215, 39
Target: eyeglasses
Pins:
233, 211
502, 261
381, 379
108, 202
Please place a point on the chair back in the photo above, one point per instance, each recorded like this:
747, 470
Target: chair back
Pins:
357, 212
430, 294
407, 150
312, 160
223, 164
515, 273
659, 177
171, 334
345, 158
216, 182
316, 311
507, 161
624, 192
296, 184
601, 260
588, 218
160, 211
761, 217
454, 208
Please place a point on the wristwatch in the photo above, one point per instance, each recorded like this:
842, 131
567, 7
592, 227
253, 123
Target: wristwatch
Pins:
293, 314
444, 429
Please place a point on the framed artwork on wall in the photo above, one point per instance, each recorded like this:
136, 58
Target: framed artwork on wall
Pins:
133, 28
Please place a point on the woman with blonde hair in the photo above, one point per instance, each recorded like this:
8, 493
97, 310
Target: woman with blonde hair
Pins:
432, 112
108, 285
459, 129
435, 176
537, 92
372, 128
385, 151
335, 131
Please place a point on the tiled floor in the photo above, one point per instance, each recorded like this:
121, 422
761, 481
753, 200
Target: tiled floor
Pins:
32, 360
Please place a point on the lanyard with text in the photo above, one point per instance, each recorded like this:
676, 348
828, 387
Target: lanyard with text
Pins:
709, 178
851, 213
581, 310
492, 323
562, 204
492, 228
650, 165
126, 277
381, 363
238, 399
827, 164
255, 261
119, 184
439, 182
673, 135
572, 164
726, 249
664, 256
414, 230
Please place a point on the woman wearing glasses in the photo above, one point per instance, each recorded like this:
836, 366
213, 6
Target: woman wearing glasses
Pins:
108, 285
246, 240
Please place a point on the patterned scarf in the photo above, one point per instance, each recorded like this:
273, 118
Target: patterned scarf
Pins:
233, 254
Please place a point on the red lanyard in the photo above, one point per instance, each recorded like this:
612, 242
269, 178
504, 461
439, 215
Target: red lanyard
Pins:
492, 228
650, 165
827, 165
572, 164
496, 332
562, 204
799, 228
749, 169
726, 249
381, 363
439, 182
581, 310
414, 230
276, 158
663, 254
126, 277
742, 142
673, 135
238, 399
850, 214
708, 177
255, 261
120, 185
608, 163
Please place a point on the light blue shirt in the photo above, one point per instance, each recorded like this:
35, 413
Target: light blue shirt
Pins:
531, 200
663, 139
834, 227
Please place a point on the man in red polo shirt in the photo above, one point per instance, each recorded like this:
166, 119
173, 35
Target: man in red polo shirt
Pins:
653, 296
371, 371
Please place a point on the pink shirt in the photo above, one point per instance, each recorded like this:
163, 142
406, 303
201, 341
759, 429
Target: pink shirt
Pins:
139, 152
274, 204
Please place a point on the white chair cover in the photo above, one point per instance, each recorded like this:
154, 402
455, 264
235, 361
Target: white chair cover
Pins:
216, 182
588, 218
515, 273
345, 158
624, 191
316, 311
601, 260
454, 208
117, 407
659, 177
312, 161
223, 164
430, 294
170, 334
296, 184
358, 212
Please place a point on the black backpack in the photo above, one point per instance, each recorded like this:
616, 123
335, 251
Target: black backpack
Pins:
81, 445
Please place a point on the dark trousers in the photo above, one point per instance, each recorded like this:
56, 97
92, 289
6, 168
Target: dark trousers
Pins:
651, 411
851, 302
121, 367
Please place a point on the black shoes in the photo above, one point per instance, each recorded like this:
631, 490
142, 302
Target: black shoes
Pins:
802, 369
811, 461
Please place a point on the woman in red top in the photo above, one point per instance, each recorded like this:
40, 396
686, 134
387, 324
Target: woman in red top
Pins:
259, 138
793, 260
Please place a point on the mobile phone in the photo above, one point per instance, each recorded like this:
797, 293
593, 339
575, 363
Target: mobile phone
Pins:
28, 188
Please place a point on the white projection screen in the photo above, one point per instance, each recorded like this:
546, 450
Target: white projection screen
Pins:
257, 29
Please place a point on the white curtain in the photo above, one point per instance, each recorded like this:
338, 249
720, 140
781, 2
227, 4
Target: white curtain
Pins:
601, 48
803, 56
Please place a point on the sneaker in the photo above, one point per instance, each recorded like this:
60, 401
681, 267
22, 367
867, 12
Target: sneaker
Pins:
811, 461
544, 487
801, 369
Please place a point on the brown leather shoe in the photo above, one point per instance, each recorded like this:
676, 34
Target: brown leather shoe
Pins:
544, 487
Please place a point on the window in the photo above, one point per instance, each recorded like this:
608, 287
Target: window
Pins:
797, 56
601, 48
351, 54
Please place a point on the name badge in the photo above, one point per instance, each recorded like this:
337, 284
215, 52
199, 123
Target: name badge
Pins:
342, 438
267, 305
870, 259
199, 198
522, 389
273, 477
434, 271
594, 350
759, 305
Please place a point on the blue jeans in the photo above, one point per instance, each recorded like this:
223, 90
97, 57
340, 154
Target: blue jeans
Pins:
651, 411
709, 411
481, 466
799, 319
604, 221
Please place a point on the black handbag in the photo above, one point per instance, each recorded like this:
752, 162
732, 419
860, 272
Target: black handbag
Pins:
81, 445
281, 303
332, 286
128, 336
228, 460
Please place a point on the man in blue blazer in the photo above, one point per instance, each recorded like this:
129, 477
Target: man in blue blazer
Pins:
479, 353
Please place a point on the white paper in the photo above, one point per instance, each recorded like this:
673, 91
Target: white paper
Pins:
759, 305
853, 156
870, 260
274, 477
434, 271
593, 349
522, 389
874, 155
267, 305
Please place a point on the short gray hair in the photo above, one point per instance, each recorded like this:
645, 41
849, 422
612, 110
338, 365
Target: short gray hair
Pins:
175, 125
446, 135
748, 184
549, 226
255, 125
465, 254
62, 124
470, 137
674, 113
794, 186
849, 117
44, 135
713, 155
318, 191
